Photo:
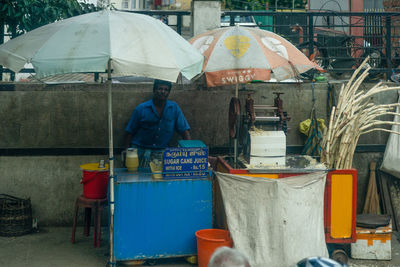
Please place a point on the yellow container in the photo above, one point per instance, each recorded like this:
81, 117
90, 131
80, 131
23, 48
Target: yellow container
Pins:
131, 159
156, 170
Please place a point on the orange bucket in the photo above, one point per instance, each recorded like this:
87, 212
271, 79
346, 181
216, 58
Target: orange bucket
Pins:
208, 240
94, 180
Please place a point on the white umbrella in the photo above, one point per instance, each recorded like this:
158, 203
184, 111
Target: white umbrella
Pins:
126, 44
136, 44
236, 55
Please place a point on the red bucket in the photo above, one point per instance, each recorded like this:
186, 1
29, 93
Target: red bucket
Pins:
94, 180
208, 240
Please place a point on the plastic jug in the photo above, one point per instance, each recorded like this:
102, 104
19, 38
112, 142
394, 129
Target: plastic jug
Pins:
131, 159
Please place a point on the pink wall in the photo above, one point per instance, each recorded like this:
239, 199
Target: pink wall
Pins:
358, 22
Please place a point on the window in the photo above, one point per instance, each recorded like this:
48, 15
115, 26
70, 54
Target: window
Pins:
125, 4
133, 4
247, 21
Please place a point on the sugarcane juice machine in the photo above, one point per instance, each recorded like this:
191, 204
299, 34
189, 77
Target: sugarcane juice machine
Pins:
263, 132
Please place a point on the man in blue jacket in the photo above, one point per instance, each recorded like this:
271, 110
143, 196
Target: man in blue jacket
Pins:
153, 123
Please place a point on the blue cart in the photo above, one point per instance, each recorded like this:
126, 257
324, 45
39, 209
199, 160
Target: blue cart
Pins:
159, 218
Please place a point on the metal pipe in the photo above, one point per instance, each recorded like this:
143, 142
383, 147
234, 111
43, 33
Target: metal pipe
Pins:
111, 163
388, 46
310, 35
235, 142
179, 24
286, 170
267, 118
1, 42
265, 107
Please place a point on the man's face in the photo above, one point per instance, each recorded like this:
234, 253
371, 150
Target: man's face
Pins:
161, 92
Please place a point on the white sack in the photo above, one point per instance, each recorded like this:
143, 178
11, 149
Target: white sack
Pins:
391, 159
275, 222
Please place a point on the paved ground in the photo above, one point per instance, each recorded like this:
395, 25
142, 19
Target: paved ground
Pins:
51, 247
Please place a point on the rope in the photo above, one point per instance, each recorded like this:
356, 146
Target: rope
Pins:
312, 145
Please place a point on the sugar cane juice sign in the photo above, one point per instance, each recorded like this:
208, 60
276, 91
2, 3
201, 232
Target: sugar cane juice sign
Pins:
185, 162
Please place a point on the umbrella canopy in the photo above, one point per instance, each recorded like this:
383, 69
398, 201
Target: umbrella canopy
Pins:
239, 55
122, 43
138, 45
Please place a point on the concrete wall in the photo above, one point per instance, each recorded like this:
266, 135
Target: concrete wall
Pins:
51, 182
206, 16
42, 122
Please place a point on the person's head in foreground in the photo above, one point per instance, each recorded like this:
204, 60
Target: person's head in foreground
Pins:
228, 257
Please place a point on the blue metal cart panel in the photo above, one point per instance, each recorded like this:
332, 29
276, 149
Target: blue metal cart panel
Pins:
159, 218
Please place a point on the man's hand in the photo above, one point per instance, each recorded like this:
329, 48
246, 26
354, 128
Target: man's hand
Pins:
186, 135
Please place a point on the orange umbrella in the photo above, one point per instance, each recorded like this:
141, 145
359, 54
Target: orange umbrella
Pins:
237, 54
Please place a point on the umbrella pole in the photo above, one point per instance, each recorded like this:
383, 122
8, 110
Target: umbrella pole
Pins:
235, 140
111, 163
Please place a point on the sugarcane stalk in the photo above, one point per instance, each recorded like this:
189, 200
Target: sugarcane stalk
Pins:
345, 124
380, 129
375, 123
375, 91
351, 152
349, 83
354, 115
329, 131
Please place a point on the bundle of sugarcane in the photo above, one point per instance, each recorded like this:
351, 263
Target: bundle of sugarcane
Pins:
354, 115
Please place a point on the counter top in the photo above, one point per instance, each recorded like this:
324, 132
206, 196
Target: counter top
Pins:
293, 164
122, 175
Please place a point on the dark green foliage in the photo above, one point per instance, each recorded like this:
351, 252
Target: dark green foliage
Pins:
25, 15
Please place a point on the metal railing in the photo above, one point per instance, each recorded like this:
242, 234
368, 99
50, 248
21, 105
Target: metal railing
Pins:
163, 16
337, 41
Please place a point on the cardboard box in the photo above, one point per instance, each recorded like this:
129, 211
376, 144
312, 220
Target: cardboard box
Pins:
372, 244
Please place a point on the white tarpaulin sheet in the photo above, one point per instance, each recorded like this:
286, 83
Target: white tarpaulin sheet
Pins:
391, 159
275, 222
